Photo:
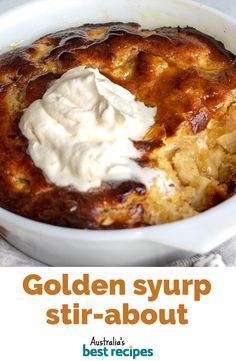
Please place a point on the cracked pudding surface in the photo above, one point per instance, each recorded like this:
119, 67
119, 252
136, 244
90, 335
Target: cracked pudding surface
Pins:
187, 75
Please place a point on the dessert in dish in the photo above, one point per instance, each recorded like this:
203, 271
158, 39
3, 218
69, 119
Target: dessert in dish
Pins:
182, 158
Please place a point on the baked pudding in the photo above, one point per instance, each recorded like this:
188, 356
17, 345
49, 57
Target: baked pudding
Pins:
184, 79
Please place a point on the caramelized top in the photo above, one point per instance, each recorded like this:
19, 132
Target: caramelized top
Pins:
189, 76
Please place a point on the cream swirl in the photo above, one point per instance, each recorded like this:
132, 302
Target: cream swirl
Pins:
80, 133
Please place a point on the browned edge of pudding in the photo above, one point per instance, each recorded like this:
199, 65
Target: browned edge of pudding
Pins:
191, 79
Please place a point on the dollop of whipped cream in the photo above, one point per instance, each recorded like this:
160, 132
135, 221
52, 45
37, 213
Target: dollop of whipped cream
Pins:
80, 133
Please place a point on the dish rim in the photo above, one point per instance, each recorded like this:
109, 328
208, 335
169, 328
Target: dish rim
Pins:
207, 217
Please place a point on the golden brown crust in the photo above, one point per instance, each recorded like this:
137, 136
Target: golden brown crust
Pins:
188, 75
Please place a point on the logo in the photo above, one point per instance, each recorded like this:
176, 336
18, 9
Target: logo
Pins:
114, 348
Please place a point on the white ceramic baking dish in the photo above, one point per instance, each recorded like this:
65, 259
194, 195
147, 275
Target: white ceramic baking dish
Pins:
155, 245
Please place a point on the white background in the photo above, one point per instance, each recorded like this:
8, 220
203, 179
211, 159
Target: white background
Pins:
210, 334
227, 6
